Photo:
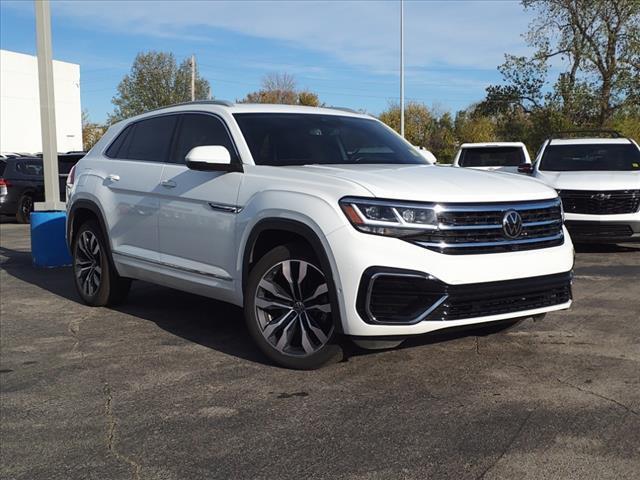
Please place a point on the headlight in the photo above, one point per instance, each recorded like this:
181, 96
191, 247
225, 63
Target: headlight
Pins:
394, 219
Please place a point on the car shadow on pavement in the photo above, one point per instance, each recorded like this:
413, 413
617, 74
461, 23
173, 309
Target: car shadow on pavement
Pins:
207, 322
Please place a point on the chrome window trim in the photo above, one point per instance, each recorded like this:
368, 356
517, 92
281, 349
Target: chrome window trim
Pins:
174, 266
415, 320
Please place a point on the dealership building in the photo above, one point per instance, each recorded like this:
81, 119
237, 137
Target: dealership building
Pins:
20, 104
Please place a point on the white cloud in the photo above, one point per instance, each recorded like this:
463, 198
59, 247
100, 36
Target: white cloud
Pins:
464, 34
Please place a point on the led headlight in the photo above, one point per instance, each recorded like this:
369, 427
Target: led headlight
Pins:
390, 218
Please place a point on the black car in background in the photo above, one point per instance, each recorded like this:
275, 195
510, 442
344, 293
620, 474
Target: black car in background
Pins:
22, 183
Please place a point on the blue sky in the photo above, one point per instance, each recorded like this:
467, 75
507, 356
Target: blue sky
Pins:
347, 52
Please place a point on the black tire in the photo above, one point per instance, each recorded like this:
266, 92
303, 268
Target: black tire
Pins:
110, 288
316, 325
25, 207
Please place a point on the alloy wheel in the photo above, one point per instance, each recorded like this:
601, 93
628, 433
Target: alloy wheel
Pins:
88, 263
26, 207
293, 308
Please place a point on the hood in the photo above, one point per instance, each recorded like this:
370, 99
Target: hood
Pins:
432, 183
591, 180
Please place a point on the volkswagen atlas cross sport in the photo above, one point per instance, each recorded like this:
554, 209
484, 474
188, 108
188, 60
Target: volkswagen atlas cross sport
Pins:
322, 223
598, 180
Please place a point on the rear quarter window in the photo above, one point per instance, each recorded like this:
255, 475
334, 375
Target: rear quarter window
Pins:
30, 168
147, 140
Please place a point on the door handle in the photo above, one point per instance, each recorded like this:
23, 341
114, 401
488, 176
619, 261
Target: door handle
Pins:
113, 177
169, 184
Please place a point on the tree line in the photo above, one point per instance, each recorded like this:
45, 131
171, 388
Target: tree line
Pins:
584, 74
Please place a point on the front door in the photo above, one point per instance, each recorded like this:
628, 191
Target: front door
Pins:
198, 208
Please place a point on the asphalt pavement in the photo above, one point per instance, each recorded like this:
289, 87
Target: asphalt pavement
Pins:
169, 386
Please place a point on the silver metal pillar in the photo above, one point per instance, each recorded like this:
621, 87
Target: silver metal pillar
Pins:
47, 109
402, 68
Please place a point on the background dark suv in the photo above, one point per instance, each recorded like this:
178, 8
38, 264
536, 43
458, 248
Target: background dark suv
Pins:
22, 183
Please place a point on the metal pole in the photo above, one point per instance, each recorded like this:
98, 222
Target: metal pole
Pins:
193, 78
402, 68
47, 109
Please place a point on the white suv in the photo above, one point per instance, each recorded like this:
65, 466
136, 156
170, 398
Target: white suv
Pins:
499, 156
598, 180
322, 223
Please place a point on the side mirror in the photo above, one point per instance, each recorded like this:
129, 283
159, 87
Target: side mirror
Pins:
210, 157
526, 168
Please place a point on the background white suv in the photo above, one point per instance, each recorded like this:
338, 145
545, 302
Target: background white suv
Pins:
598, 180
500, 156
320, 222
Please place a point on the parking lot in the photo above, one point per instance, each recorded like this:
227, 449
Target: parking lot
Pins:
169, 386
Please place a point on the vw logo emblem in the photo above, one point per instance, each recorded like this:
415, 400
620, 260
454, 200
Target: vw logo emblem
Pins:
511, 224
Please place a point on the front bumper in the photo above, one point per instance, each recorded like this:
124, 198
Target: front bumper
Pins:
603, 228
354, 253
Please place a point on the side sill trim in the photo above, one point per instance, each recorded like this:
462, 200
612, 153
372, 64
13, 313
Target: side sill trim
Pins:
175, 267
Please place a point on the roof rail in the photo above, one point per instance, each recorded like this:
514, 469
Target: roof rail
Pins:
225, 103
565, 133
344, 109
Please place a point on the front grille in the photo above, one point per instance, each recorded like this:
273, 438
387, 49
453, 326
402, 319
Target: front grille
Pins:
467, 229
601, 202
400, 297
595, 230
496, 298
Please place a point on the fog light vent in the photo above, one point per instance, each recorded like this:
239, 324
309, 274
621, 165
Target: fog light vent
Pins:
401, 298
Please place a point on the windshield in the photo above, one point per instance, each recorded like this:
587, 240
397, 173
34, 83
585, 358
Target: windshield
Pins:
307, 139
567, 158
491, 157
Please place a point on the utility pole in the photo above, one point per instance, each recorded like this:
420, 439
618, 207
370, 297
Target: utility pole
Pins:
193, 78
402, 68
47, 109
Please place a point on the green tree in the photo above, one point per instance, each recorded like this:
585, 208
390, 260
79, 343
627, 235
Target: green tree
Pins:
470, 127
599, 45
155, 81
418, 122
91, 132
281, 88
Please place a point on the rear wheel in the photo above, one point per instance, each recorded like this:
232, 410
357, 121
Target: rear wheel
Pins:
25, 207
289, 309
96, 280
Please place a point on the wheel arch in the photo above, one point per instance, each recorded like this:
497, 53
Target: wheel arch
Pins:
80, 211
290, 230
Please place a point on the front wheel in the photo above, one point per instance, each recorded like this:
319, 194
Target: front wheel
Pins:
96, 279
289, 309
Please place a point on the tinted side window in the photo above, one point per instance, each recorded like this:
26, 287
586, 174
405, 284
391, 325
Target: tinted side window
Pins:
3, 165
200, 129
150, 140
31, 168
114, 149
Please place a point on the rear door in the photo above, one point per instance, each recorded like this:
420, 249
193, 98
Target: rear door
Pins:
197, 208
130, 173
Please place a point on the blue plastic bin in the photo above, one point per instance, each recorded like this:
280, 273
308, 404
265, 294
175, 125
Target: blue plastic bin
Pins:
48, 244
